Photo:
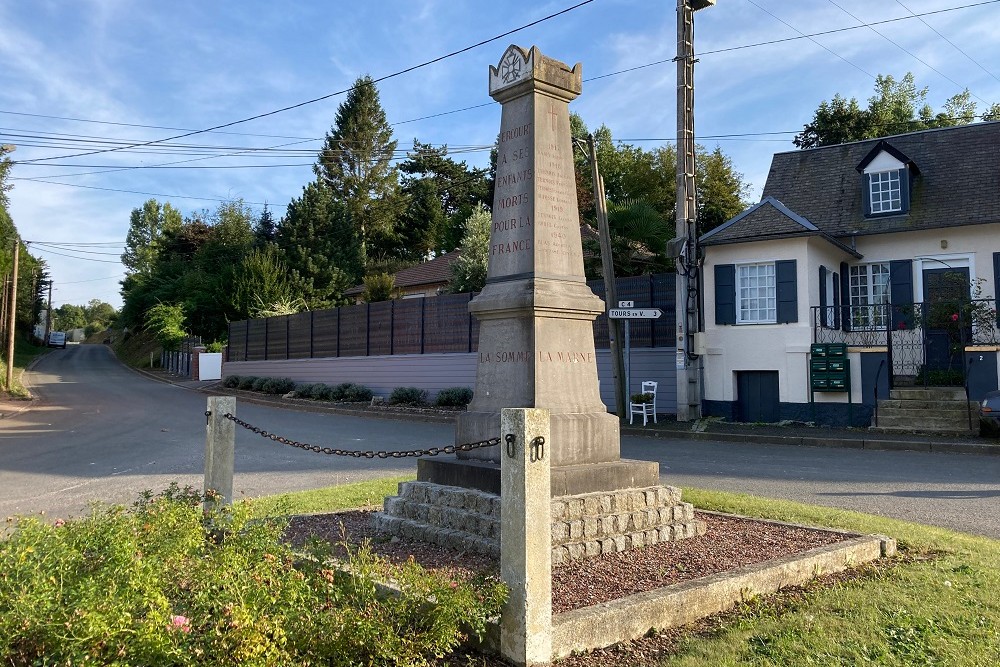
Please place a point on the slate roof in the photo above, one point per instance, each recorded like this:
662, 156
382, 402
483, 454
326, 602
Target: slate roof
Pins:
435, 271
958, 184
770, 219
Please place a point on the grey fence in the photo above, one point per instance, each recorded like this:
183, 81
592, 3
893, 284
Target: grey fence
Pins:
424, 325
178, 362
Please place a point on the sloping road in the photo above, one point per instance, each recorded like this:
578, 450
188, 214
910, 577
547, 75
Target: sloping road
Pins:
103, 432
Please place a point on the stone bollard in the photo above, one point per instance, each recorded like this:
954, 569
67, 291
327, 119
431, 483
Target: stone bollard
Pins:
525, 536
220, 451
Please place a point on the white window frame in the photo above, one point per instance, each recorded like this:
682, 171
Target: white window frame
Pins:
885, 191
756, 282
870, 287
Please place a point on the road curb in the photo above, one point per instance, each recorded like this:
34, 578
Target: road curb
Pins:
839, 443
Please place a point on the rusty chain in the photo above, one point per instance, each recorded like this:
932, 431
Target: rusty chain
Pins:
359, 454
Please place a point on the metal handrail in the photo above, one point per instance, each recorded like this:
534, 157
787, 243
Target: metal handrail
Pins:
878, 374
968, 400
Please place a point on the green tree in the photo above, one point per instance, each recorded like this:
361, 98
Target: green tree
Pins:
722, 193
265, 229
5, 187
166, 323
428, 173
468, 272
68, 316
378, 287
641, 189
897, 106
320, 246
356, 163
261, 284
147, 225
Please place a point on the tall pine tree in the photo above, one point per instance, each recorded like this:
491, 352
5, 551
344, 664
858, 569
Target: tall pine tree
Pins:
356, 164
320, 245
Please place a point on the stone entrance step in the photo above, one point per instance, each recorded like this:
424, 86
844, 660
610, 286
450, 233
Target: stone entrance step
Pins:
582, 526
938, 410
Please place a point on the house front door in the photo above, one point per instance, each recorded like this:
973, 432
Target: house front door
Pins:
946, 296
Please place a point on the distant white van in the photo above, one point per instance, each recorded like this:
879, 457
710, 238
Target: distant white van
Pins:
57, 339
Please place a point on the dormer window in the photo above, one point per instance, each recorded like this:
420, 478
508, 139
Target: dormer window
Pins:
884, 191
886, 175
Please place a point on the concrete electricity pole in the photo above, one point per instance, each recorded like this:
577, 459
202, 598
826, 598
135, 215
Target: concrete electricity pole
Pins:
685, 245
12, 311
48, 315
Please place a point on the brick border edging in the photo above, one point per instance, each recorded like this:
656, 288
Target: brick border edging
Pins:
632, 617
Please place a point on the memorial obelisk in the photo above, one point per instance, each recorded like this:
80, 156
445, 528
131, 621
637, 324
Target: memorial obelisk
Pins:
536, 312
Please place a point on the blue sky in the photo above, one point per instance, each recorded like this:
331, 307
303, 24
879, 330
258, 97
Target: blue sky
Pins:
191, 65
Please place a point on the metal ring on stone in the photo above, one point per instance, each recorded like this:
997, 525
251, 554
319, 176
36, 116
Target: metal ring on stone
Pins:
511, 444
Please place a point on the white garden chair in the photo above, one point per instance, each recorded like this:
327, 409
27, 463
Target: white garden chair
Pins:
647, 410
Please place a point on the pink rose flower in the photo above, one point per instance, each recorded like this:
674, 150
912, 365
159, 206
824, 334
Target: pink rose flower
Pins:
181, 623
954, 317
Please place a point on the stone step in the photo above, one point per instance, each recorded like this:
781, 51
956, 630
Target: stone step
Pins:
924, 423
565, 553
929, 393
582, 525
915, 404
458, 540
920, 416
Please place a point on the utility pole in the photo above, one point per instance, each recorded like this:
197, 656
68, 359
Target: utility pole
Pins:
12, 310
608, 273
685, 244
48, 315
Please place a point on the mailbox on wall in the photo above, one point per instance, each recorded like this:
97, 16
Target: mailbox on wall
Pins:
829, 369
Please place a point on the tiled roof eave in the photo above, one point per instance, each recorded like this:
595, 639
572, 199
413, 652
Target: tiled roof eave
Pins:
794, 235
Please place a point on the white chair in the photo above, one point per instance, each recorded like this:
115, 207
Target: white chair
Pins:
647, 410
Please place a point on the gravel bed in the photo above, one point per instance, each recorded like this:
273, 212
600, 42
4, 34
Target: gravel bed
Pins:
729, 543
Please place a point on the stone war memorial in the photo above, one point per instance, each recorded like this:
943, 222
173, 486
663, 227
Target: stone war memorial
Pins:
536, 350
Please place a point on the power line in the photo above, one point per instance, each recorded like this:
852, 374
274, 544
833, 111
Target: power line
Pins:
957, 47
88, 259
602, 76
339, 92
905, 50
137, 192
89, 280
811, 39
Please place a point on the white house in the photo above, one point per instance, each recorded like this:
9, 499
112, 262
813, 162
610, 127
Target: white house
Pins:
889, 249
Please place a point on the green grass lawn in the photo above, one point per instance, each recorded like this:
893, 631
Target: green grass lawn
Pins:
939, 605
24, 352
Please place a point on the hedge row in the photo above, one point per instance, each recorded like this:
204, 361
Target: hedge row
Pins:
347, 391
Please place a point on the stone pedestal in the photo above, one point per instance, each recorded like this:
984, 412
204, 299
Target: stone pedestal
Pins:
536, 315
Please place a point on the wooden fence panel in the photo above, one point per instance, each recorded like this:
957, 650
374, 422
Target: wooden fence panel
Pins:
326, 324
354, 330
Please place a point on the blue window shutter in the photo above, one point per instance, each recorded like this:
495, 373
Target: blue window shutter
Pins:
822, 297
901, 293
725, 294
996, 284
845, 296
836, 300
786, 291
904, 190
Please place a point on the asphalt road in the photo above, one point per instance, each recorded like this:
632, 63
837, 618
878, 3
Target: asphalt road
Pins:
104, 432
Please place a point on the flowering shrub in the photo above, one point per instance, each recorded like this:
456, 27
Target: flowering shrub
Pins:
161, 583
